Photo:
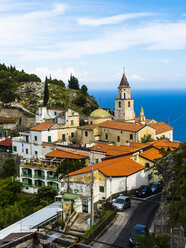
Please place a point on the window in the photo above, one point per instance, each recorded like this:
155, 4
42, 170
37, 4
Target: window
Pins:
97, 160
118, 138
101, 189
22, 149
86, 133
124, 95
119, 104
72, 122
72, 113
106, 136
72, 135
129, 104
121, 131
49, 139
35, 138
131, 136
15, 148
55, 113
147, 165
26, 150
36, 153
27, 138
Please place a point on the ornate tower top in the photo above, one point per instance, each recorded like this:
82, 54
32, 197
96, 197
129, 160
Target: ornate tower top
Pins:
141, 111
124, 81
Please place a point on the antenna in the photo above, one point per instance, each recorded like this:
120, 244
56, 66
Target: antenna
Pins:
123, 69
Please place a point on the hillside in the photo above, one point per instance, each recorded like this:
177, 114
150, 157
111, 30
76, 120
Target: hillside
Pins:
173, 170
27, 89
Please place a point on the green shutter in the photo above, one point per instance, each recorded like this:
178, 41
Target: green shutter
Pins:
49, 139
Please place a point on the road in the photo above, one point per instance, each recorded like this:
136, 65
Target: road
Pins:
140, 213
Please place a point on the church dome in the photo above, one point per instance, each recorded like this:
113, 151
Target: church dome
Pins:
99, 113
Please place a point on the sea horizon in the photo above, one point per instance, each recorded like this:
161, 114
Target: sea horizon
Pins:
167, 105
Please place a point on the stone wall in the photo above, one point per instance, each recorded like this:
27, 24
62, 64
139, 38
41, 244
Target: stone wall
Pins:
16, 113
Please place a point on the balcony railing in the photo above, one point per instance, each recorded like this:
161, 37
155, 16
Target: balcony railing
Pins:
52, 178
39, 176
28, 184
26, 175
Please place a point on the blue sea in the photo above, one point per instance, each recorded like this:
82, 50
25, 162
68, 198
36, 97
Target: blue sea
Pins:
162, 105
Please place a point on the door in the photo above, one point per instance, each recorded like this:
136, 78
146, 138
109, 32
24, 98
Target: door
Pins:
63, 137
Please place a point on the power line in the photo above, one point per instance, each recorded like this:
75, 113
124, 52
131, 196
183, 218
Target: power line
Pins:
178, 118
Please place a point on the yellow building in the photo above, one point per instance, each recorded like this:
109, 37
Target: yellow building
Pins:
88, 134
122, 133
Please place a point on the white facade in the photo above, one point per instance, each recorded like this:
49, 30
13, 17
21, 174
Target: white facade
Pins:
29, 144
103, 189
33, 178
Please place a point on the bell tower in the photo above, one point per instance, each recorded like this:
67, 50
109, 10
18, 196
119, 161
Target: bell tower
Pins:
142, 117
124, 105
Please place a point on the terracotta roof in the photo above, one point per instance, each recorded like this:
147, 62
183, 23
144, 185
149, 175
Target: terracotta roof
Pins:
42, 126
63, 154
4, 120
151, 154
117, 167
47, 144
126, 126
124, 81
112, 150
7, 142
161, 127
88, 127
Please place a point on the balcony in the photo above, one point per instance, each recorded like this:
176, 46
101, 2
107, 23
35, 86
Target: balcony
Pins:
26, 175
52, 178
39, 176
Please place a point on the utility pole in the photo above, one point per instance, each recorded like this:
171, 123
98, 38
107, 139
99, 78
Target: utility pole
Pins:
92, 192
111, 189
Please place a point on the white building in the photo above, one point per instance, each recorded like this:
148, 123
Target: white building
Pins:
111, 177
29, 144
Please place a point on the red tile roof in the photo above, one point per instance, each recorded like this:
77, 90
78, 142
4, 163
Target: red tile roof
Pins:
116, 167
151, 154
4, 120
42, 126
125, 126
161, 127
7, 142
63, 154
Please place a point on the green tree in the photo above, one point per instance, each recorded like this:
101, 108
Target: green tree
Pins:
14, 186
46, 193
46, 93
69, 165
84, 89
34, 78
152, 240
9, 167
146, 138
80, 100
73, 83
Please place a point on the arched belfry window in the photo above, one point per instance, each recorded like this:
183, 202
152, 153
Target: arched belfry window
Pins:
129, 104
124, 95
119, 104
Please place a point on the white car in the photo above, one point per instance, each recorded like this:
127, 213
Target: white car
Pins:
122, 202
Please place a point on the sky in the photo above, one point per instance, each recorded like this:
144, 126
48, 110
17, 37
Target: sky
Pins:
96, 40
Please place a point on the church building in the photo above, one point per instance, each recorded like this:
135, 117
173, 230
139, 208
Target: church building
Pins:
124, 104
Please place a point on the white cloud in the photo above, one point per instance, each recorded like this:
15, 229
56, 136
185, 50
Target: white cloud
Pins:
62, 74
111, 19
136, 77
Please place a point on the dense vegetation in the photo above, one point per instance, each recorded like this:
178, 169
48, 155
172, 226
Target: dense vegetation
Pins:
32, 93
173, 169
15, 205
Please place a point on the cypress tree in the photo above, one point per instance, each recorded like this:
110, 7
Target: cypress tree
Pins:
46, 93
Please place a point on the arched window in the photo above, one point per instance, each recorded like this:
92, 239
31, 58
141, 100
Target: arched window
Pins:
119, 104
129, 104
124, 95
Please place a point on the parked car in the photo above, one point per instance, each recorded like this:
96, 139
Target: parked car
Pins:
156, 187
121, 203
139, 230
144, 191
